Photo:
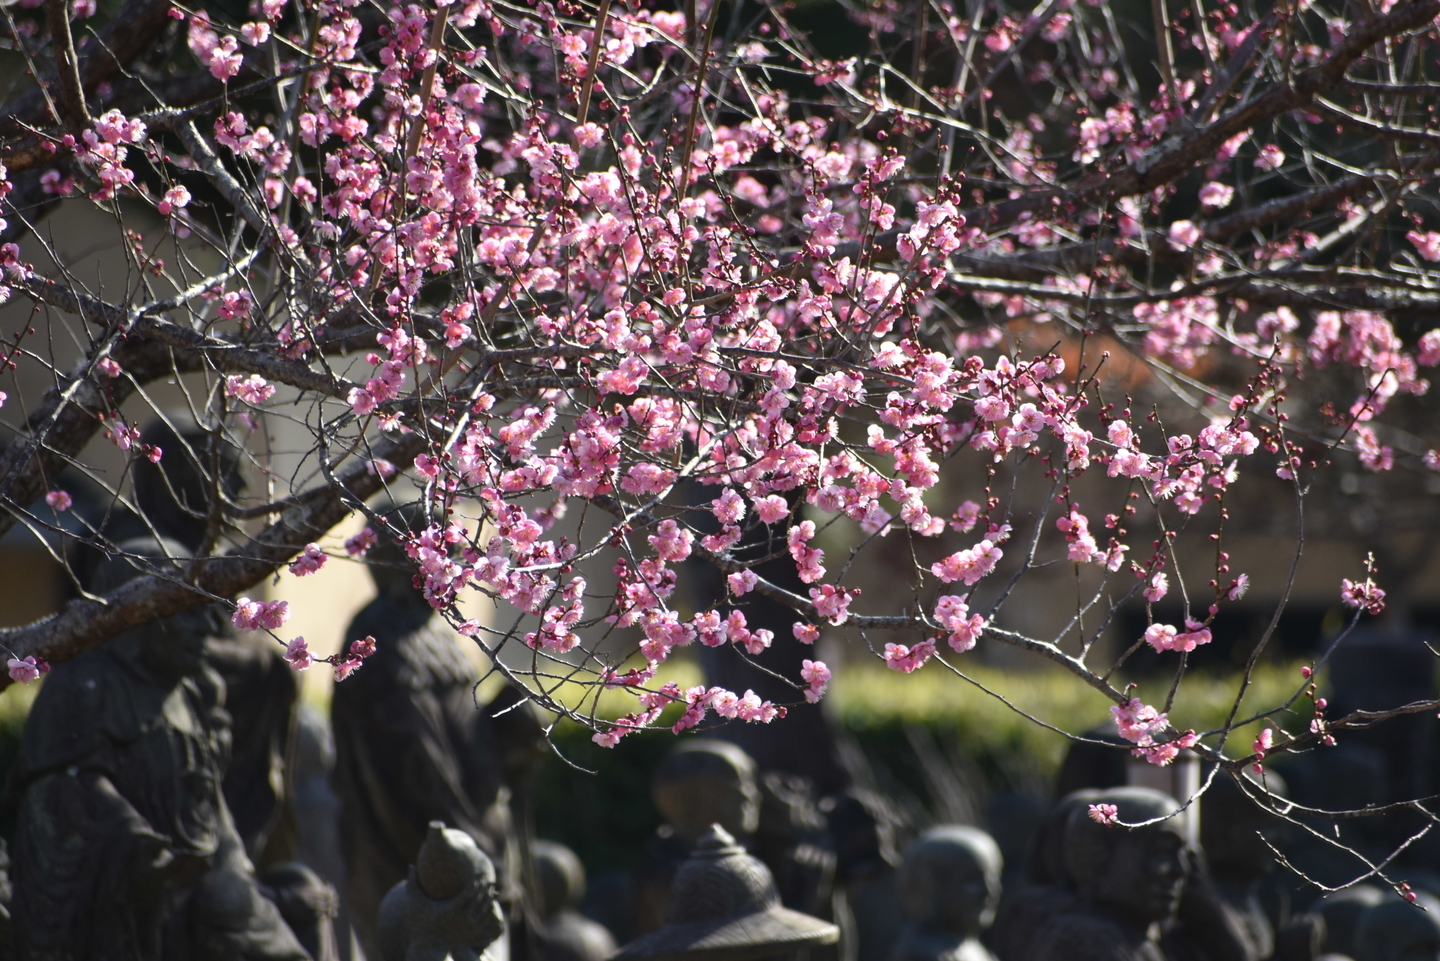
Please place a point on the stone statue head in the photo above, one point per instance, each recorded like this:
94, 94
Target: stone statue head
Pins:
447, 908
1396, 930
1136, 872
175, 493
390, 568
171, 647
705, 782
1231, 826
950, 880
559, 876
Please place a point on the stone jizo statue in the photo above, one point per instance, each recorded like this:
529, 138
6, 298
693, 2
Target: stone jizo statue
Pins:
700, 783
447, 909
174, 496
724, 907
949, 887
125, 848
561, 932
412, 746
1116, 885
705, 782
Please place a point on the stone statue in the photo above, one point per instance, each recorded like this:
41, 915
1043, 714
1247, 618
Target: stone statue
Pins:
560, 932
705, 782
724, 907
699, 783
125, 848
794, 841
1223, 892
317, 808
1342, 911
447, 909
863, 825
950, 887
1396, 930
1044, 887
1119, 884
411, 747
262, 696
174, 497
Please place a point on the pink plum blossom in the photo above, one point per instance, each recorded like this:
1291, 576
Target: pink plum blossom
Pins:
309, 561
817, 675
1107, 814
1157, 587
1427, 243
27, 669
1271, 157
253, 390
1184, 234
1362, 595
297, 654
1214, 196
742, 582
260, 615
968, 565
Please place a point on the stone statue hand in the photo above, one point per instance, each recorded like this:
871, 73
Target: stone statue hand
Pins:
155, 862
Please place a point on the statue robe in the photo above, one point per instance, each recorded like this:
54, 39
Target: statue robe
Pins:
411, 747
119, 805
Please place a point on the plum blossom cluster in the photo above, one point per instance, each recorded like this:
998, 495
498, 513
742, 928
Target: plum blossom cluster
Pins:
734, 339
697, 702
1140, 724
260, 615
1165, 637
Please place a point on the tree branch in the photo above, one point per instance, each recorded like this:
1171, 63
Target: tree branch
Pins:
84, 624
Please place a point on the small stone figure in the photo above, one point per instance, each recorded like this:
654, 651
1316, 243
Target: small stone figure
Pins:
411, 745
1044, 886
447, 909
1396, 930
562, 933
262, 695
700, 783
705, 782
1222, 915
724, 907
1119, 884
317, 809
125, 848
950, 887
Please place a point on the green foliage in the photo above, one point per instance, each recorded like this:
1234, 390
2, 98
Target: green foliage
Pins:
871, 698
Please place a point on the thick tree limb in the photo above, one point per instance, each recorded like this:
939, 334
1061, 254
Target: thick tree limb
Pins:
73, 112
84, 624
221, 354
67, 418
